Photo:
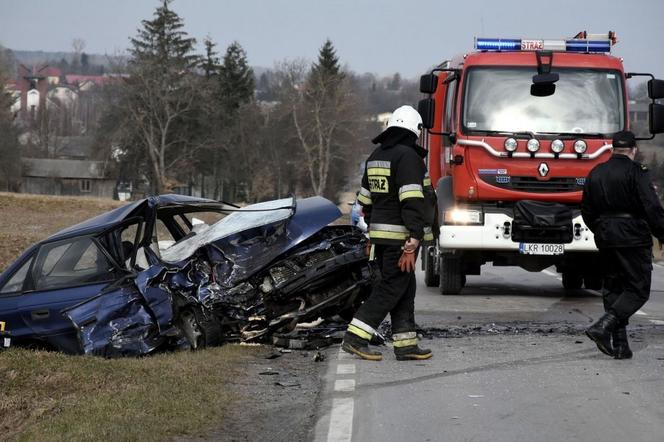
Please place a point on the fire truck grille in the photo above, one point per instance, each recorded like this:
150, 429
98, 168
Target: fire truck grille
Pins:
532, 184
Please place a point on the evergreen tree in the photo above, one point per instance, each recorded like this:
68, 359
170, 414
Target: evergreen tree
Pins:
162, 42
236, 78
328, 62
85, 63
210, 63
162, 96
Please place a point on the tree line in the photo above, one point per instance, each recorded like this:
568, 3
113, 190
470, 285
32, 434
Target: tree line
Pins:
201, 120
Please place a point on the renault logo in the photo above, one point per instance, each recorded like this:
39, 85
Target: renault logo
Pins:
543, 169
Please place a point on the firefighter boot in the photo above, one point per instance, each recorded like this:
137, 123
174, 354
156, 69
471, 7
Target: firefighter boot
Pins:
621, 348
600, 332
412, 353
355, 345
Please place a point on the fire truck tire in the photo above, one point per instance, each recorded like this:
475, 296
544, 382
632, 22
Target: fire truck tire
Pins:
593, 282
451, 278
431, 278
572, 281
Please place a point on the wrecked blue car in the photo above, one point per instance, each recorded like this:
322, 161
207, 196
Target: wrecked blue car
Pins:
180, 272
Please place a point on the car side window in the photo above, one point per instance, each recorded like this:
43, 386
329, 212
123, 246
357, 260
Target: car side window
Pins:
16, 282
71, 262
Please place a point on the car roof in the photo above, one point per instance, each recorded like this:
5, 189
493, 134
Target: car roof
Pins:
116, 216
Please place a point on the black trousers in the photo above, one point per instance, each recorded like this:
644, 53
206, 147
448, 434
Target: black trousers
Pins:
393, 294
627, 280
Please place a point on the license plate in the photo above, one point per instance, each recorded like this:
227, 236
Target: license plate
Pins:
541, 249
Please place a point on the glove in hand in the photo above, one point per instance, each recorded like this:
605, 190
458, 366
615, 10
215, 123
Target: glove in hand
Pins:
409, 256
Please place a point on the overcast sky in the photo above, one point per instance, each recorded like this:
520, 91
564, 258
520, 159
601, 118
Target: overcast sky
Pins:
370, 36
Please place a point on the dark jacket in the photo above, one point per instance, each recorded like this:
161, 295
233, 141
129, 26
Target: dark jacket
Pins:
620, 205
394, 186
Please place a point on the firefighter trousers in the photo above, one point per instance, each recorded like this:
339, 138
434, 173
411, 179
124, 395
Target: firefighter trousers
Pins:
627, 280
394, 293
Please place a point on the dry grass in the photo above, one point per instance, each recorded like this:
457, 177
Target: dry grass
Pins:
26, 219
52, 396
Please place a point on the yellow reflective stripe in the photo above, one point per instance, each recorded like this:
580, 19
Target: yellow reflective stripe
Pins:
364, 199
428, 236
380, 171
411, 194
2, 326
359, 332
382, 234
405, 343
426, 182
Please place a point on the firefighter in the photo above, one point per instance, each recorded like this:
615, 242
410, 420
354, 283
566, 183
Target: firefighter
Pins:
398, 207
623, 211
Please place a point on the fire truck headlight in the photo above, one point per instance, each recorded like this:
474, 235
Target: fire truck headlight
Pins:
510, 144
580, 146
533, 145
557, 146
463, 216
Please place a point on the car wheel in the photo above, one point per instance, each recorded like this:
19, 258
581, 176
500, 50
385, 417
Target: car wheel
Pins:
200, 330
593, 282
572, 281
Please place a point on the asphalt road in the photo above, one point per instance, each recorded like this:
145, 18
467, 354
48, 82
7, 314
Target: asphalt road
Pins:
510, 363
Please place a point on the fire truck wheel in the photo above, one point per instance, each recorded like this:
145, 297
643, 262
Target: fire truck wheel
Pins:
431, 278
572, 281
593, 282
451, 278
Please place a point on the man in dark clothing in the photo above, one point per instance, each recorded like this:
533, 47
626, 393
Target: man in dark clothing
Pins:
395, 196
621, 208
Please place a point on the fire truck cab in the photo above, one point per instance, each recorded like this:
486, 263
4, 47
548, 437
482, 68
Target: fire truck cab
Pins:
512, 130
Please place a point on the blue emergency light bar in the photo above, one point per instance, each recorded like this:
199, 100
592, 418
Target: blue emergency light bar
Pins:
572, 45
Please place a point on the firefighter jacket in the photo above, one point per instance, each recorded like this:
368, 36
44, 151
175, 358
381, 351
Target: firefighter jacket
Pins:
396, 196
620, 205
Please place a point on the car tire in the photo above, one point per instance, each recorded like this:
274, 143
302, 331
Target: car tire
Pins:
593, 282
200, 330
451, 278
572, 281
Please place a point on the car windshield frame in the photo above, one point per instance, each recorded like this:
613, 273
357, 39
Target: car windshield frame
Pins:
531, 70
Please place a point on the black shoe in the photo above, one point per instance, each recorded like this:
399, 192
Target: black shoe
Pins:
621, 348
412, 353
355, 345
600, 332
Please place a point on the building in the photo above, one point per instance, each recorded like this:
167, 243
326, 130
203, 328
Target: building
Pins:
47, 176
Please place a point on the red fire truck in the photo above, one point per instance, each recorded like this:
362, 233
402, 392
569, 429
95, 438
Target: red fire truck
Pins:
513, 129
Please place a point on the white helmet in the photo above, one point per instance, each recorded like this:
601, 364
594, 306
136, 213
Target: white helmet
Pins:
407, 118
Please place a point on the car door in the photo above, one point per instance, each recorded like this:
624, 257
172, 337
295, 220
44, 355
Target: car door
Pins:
11, 290
63, 274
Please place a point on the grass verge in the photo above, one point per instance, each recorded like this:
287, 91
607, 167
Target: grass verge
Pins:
52, 396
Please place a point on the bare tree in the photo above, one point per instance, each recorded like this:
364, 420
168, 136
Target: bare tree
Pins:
325, 116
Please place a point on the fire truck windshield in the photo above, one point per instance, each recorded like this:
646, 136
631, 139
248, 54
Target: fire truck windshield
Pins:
586, 101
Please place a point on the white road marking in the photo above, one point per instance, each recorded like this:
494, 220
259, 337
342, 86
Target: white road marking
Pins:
345, 385
657, 322
341, 416
346, 369
341, 420
641, 313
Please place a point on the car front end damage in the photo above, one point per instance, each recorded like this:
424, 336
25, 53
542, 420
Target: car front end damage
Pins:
259, 271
